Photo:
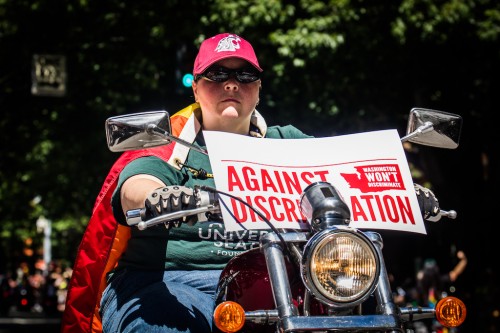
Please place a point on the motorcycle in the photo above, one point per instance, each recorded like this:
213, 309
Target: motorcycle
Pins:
331, 277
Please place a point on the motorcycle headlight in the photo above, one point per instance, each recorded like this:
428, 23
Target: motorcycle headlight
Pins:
340, 267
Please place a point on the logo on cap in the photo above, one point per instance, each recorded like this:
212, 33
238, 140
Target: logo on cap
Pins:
229, 43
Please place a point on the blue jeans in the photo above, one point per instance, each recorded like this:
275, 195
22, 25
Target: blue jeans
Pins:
159, 301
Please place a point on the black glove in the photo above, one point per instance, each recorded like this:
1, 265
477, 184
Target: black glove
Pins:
170, 199
429, 205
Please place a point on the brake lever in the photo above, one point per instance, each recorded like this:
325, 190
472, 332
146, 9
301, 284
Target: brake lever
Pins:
136, 217
451, 214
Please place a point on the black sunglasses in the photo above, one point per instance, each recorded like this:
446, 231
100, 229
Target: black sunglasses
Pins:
222, 74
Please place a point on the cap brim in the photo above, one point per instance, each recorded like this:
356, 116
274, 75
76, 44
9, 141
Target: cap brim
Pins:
222, 57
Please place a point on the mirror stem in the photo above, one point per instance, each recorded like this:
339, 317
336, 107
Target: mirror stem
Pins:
427, 127
153, 129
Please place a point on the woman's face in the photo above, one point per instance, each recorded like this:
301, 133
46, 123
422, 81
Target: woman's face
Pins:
227, 106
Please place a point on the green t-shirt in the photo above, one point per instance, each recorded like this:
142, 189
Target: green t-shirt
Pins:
205, 245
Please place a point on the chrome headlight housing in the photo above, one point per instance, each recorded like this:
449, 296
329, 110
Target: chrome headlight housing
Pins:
340, 267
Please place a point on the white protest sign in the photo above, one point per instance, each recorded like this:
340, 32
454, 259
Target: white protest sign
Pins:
369, 170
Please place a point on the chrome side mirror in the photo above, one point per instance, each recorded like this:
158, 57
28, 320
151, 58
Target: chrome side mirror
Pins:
433, 128
138, 130
142, 130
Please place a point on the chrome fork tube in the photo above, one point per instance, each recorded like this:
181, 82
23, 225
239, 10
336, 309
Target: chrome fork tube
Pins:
273, 252
383, 292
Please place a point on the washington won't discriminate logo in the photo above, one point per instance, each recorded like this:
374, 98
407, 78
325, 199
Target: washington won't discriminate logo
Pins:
375, 178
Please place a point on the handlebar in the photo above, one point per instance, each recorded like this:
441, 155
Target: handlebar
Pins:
208, 202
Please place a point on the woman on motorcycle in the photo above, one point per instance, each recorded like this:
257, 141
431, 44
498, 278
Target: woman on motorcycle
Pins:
164, 279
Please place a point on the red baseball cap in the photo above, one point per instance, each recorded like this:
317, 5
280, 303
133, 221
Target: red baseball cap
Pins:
223, 46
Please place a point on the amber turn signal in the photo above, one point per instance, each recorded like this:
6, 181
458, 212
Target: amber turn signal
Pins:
229, 317
451, 312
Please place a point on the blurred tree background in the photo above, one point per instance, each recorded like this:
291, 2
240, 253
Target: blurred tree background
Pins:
330, 67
